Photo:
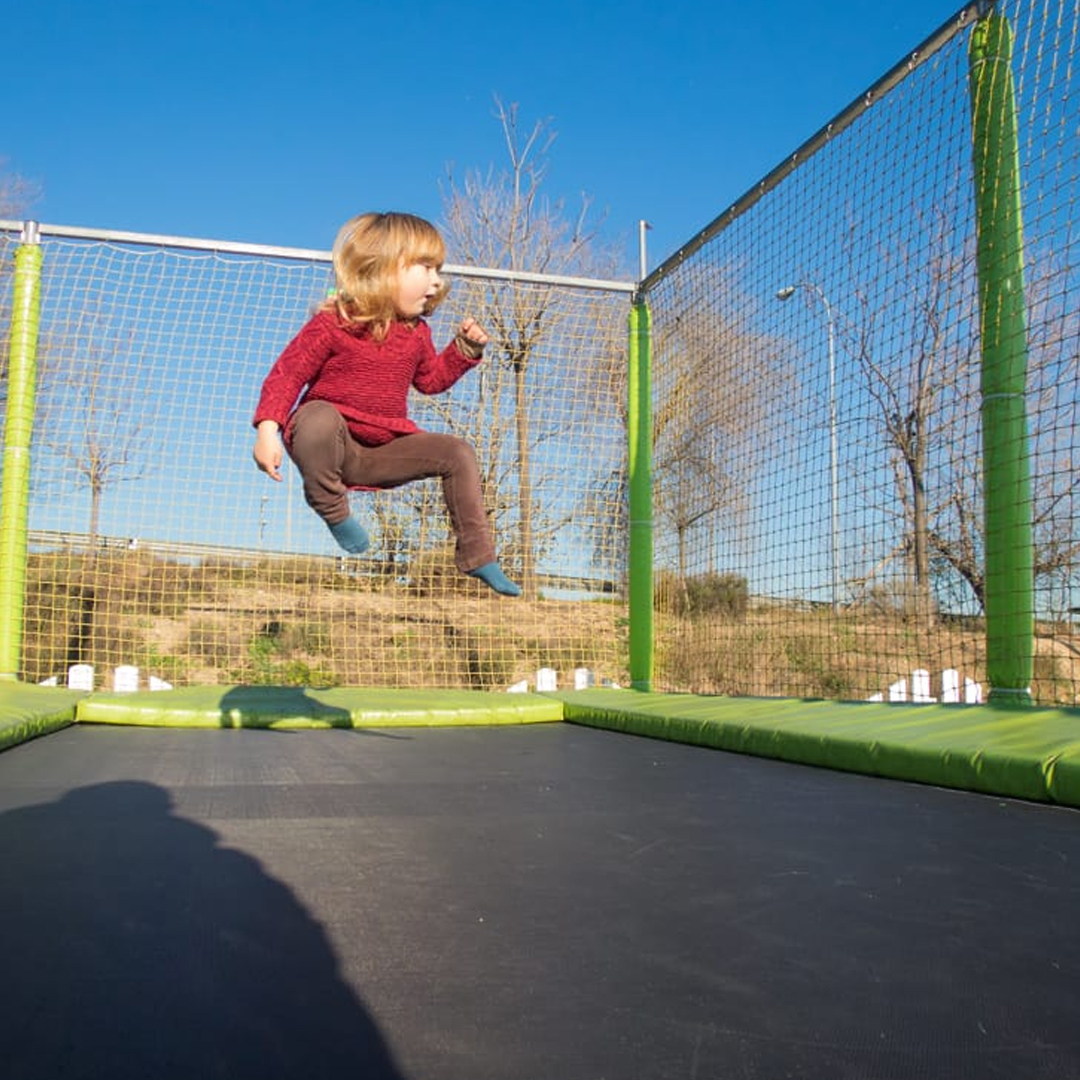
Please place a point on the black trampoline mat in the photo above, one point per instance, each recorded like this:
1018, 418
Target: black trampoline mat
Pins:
546, 902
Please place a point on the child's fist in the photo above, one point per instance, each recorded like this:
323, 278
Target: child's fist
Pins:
473, 331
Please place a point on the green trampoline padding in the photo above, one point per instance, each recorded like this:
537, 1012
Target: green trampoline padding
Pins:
1021, 753
29, 711
1028, 754
288, 707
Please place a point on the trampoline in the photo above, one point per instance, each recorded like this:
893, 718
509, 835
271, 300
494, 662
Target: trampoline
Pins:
532, 900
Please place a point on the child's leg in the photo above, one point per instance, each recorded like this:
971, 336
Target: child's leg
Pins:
425, 454
321, 446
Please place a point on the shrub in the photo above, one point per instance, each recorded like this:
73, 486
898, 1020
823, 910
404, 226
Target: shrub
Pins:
724, 595
268, 663
486, 655
434, 573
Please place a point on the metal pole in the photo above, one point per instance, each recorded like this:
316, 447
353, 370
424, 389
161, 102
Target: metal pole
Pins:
825, 136
643, 228
18, 431
312, 255
288, 506
834, 453
834, 459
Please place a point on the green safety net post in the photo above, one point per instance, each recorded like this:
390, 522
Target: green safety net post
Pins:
1010, 590
19, 426
639, 430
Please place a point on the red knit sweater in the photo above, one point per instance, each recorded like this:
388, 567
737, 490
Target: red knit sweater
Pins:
367, 381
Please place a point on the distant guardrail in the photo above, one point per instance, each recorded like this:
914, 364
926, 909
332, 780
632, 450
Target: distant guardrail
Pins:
185, 551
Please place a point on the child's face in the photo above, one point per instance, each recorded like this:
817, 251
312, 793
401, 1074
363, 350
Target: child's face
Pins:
417, 283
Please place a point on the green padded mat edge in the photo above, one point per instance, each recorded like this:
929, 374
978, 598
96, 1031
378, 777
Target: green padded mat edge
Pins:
1028, 753
27, 712
298, 708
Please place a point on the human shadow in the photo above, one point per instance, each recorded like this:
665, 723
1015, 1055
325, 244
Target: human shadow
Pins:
261, 706
283, 708
133, 945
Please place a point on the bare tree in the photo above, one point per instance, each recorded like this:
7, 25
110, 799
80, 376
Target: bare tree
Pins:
88, 416
503, 219
1053, 343
17, 194
912, 336
916, 339
716, 382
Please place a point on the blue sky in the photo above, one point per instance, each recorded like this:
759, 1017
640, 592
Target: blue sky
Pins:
273, 122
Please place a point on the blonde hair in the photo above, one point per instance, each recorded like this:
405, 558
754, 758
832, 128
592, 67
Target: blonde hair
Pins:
367, 254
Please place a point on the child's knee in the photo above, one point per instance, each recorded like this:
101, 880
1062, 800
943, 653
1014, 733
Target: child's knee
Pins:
316, 422
460, 452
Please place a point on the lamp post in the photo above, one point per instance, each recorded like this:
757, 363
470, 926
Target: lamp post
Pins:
785, 294
262, 519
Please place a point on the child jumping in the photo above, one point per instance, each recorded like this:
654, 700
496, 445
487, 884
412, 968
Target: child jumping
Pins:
351, 367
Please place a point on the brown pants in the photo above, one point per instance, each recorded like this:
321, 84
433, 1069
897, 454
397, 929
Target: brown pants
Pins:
331, 462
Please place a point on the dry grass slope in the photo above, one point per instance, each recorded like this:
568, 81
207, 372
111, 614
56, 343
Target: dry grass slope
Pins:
303, 622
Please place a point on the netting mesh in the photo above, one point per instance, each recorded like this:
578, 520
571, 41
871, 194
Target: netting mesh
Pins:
819, 494
818, 463
155, 543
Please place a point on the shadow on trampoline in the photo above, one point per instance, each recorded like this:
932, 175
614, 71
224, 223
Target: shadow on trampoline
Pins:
531, 902
246, 706
135, 946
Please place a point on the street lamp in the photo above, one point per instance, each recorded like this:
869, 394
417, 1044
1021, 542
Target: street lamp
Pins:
787, 293
262, 519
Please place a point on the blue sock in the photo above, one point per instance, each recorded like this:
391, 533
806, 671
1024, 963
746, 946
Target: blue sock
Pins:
350, 535
491, 575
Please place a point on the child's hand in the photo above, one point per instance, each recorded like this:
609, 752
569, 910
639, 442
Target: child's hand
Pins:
473, 331
267, 452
